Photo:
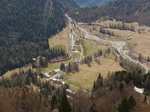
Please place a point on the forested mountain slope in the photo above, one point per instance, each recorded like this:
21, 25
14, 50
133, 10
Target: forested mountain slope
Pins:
125, 10
68, 4
27, 101
88, 3
25, 26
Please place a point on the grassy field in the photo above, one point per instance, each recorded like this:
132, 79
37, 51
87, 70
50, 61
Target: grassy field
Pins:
75, 56
90, 47
78, 48
60, 40
9, 73
108, 22
53, 66
60, 47
121, 33
141, 43
86, 76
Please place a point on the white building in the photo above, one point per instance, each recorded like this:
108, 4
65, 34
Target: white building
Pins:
46, 75
58, 76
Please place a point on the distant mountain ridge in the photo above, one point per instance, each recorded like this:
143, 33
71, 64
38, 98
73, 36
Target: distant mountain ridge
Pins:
88, 3
122, 10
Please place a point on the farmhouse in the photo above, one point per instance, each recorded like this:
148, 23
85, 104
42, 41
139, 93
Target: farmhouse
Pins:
46, 75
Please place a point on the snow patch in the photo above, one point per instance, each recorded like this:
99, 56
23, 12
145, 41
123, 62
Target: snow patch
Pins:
139, 90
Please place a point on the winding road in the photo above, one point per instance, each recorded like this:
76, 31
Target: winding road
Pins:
118, 45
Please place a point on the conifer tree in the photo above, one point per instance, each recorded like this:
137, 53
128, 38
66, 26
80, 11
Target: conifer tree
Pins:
94, 87
131, 102
62, 67
93, 108
64, 105
127, 104
53, 102
147, 82
145, 99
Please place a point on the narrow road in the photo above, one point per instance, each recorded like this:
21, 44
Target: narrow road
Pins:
70, 36
71, 39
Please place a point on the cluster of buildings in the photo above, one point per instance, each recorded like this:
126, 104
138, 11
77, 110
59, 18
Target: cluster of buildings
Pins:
39, 62
146, 28
54, 76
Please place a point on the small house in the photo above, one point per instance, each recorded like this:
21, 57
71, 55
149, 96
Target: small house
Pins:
57, 71
46, 75
58, 76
